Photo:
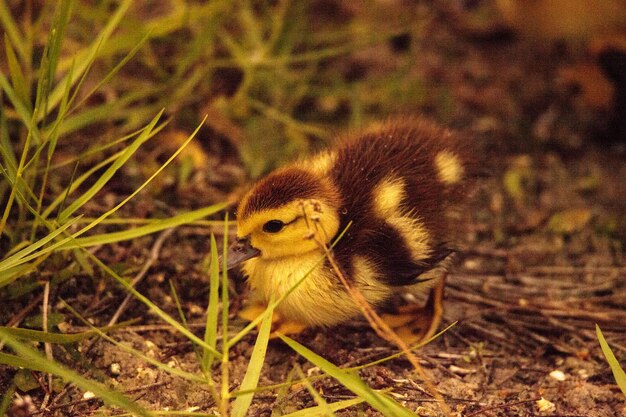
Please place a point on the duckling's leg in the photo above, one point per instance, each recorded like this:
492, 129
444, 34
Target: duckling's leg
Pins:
279, 324
415, 324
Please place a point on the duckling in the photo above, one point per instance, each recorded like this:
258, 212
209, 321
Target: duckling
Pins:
388, 191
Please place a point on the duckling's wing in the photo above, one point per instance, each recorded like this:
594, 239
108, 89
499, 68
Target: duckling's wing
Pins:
414, 274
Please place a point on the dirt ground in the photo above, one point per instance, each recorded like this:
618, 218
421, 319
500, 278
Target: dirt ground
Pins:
543, 261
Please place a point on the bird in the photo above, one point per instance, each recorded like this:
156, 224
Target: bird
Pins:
383, 202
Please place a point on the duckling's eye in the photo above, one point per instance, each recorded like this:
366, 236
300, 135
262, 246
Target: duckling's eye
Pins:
273, 226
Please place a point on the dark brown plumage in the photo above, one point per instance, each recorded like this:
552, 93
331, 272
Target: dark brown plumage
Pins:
281, 188
405, 149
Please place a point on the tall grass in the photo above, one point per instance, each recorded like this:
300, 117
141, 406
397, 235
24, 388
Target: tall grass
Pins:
77, 108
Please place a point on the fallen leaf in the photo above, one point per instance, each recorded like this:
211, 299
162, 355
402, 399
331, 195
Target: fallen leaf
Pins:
570, 220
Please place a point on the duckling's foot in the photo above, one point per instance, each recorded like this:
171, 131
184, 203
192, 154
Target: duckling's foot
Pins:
280, 325
414, 324
251, 311
285, 327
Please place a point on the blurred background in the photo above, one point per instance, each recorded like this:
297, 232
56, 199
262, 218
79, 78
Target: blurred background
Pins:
277, 78
538, 87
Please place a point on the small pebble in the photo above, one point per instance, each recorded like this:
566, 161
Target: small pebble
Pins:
545, 406
558, 375
460, 371
115, 369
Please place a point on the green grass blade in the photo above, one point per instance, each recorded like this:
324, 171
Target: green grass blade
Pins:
402, 353
214, 12
179, 306
210, 330
136, 232
7, 399
106, 176
10, 28
155, 309
51, 143
122, 346
379, 401
115, 69
34, 360
12, 274
78, 181
63, 109
321, 402
9, 160
321, 410
57, 338
17, 75
134, 193
85, 58
52, 51
162, 366
74, 184
18, 362
287, 120
53, 135
21, 109
123, 111
618, 372
96, 150
253, 372
225, 385
91, 225
23, 255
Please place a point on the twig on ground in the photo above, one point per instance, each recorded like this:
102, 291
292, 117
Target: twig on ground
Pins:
86, 400
152, 258
502, 406
47, 345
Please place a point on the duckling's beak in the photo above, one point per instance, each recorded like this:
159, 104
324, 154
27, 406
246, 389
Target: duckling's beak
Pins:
240, 251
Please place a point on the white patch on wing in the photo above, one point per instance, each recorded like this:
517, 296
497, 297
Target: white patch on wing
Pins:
388, 196
367, 282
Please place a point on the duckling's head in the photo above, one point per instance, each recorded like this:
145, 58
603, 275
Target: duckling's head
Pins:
287, 213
